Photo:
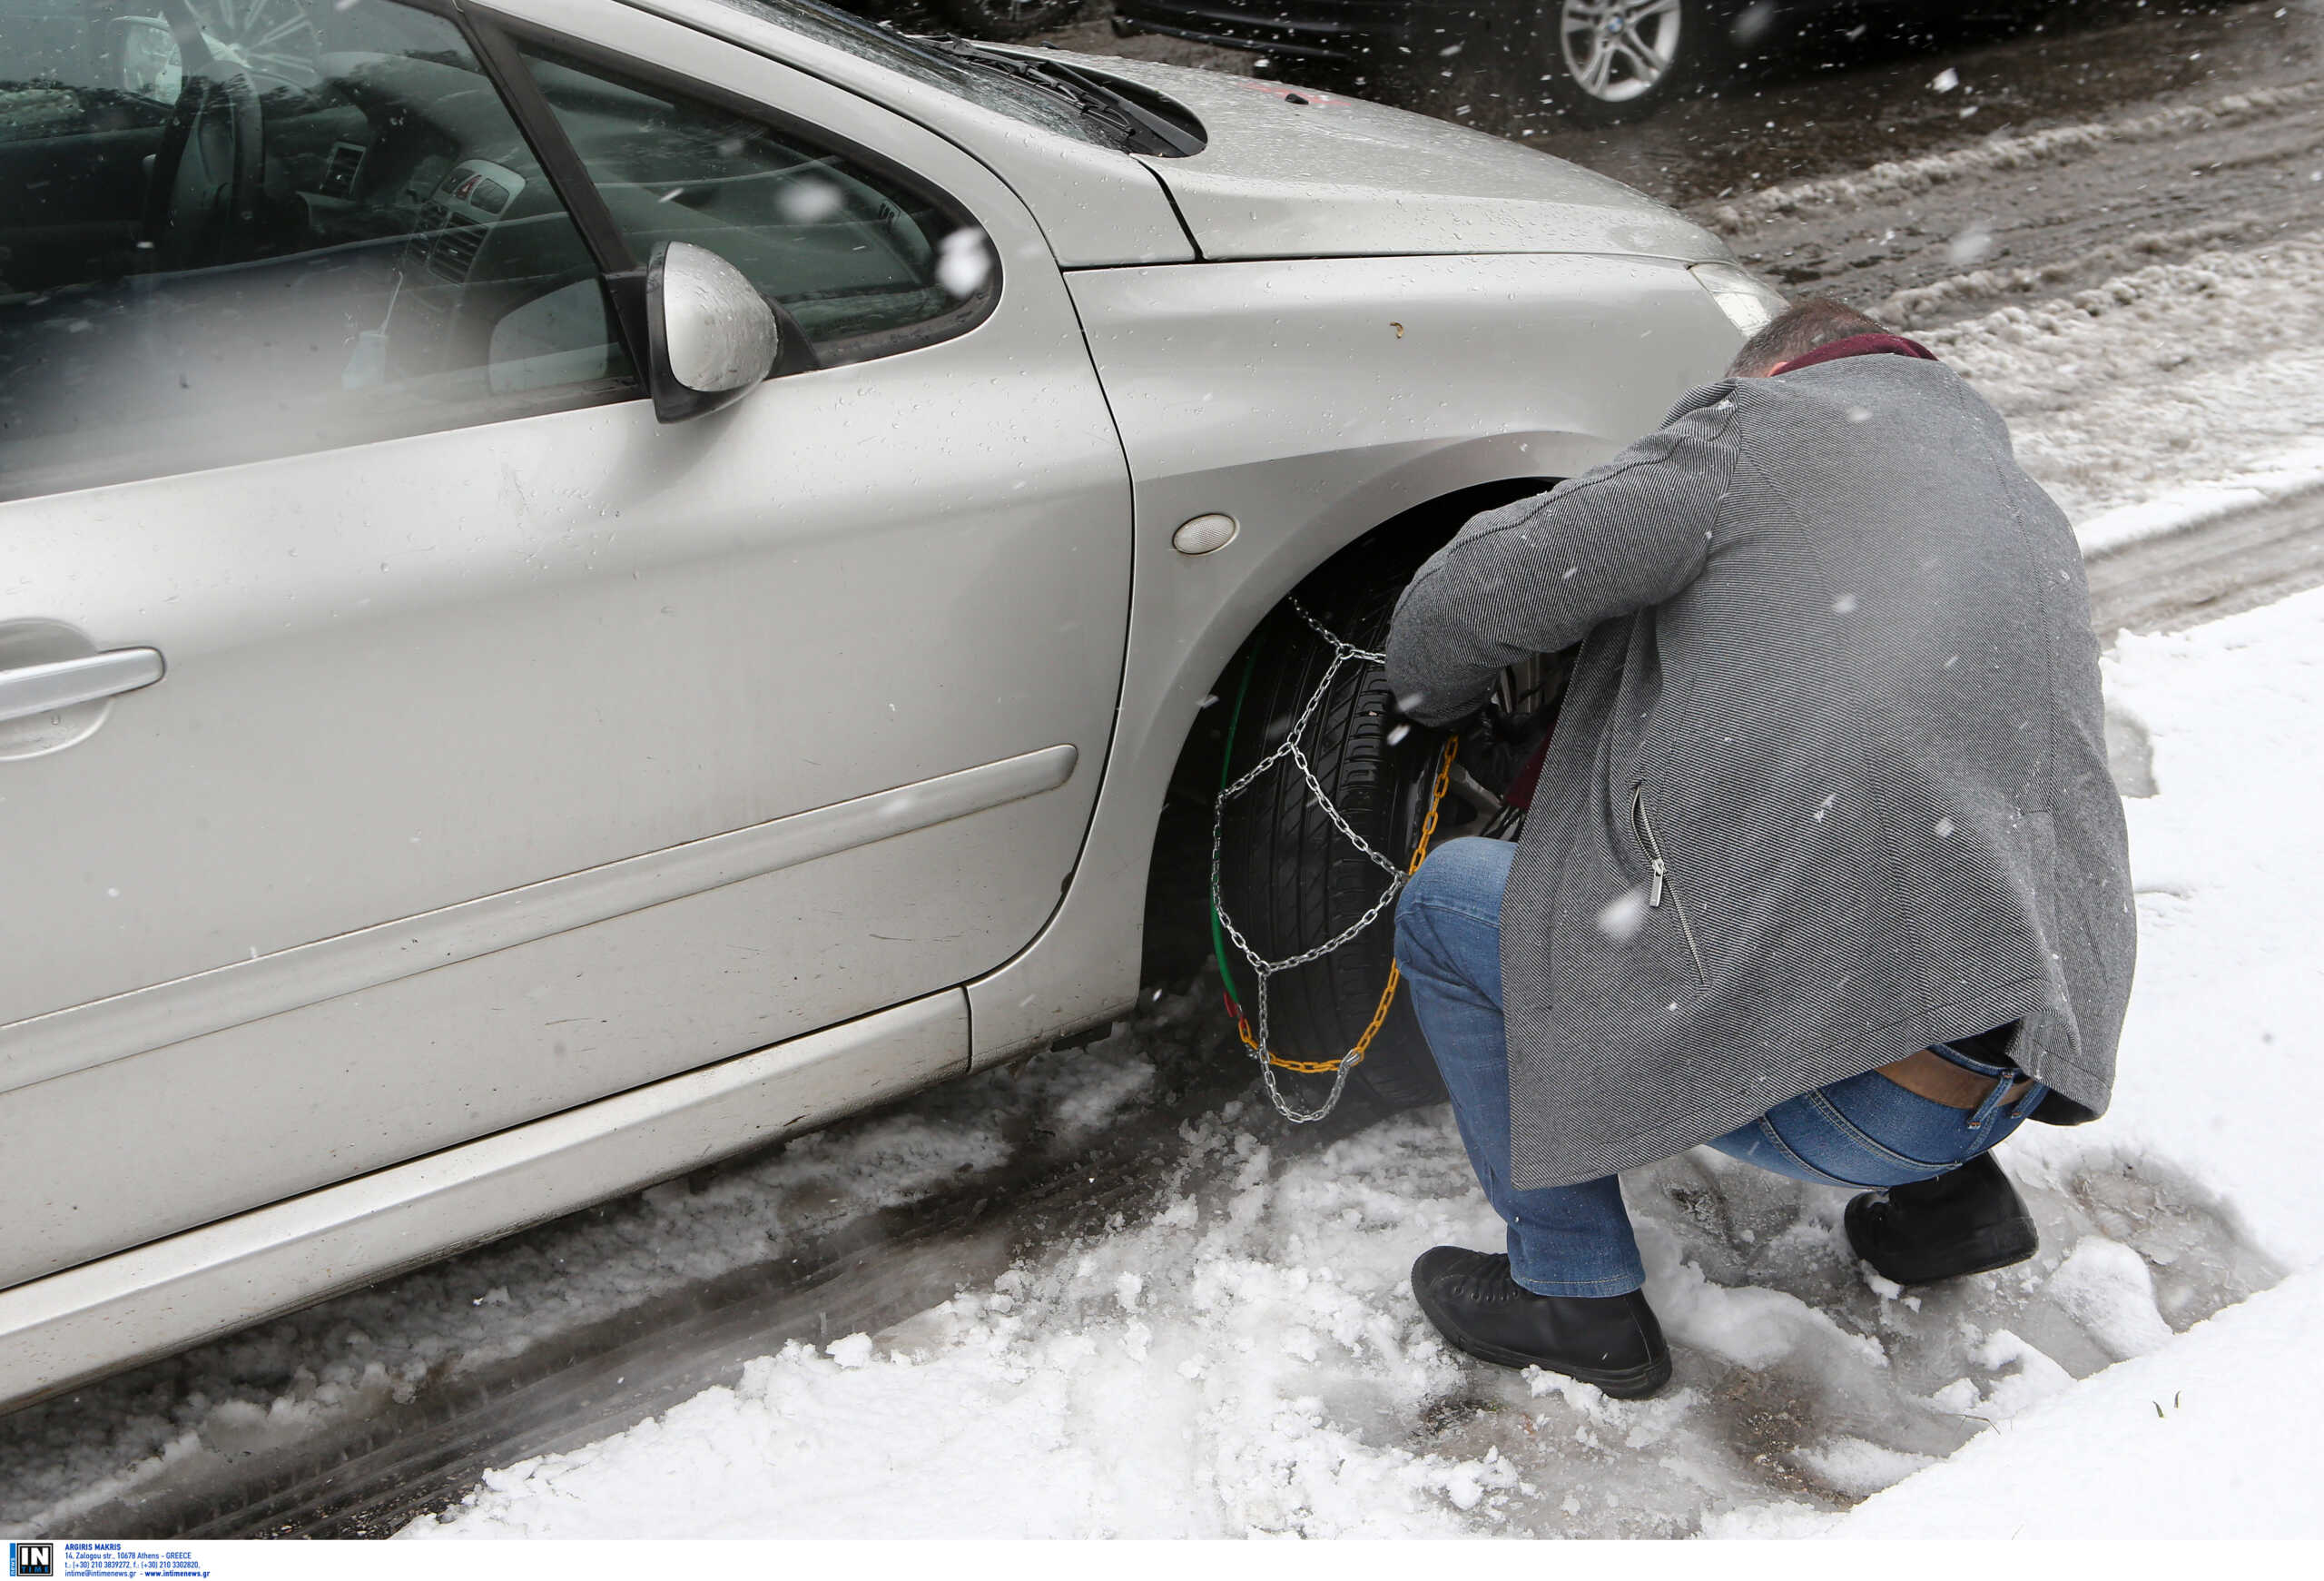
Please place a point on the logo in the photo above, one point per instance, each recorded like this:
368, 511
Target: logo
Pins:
32, 1559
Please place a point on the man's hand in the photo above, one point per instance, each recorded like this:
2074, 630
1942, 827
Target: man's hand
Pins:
1498, 748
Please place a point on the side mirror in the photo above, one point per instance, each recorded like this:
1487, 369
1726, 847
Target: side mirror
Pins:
713, 337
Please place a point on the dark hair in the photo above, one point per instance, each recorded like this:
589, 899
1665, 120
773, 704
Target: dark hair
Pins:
1797, 330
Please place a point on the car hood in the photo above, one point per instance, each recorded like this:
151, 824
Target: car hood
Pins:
1289, 173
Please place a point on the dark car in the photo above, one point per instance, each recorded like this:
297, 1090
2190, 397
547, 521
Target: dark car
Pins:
1600, 60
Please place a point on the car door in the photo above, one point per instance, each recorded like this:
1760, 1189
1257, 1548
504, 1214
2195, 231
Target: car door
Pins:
511, 748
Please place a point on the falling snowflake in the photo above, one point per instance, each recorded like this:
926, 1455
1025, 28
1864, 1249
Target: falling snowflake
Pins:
809, 199
1971, 244
1622, 917
964, 263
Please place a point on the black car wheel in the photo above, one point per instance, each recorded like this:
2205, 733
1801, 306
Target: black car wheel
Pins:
1604, 61
1289, 878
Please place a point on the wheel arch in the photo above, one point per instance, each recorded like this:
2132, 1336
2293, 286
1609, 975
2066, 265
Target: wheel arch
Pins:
1083, 971
1318, 403
1175, 935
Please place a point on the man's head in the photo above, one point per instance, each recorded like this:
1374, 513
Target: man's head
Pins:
1797, 330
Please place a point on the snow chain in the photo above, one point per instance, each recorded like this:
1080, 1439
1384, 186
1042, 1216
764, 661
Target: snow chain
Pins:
1342, 654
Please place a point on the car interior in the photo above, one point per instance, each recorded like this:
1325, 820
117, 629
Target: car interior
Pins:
228, 252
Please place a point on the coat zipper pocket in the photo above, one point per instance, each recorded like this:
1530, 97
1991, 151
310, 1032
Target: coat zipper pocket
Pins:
1660, 884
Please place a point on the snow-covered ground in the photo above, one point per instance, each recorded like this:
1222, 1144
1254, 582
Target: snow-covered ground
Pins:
2168, 395
1246, 1358
2213, 1432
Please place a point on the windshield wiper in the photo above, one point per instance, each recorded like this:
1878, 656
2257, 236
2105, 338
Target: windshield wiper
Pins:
1134, 127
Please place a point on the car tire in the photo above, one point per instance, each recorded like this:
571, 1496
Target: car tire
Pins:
1007, 19
1289, 879
1592, 65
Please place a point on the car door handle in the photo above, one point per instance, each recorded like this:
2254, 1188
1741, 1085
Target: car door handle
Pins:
41, 688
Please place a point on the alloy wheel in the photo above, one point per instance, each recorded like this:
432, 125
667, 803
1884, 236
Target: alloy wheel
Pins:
1620, 50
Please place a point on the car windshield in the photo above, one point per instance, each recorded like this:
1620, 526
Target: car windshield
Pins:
961, 74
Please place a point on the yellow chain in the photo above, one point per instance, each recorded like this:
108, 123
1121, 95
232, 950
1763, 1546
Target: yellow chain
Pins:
1354, 1056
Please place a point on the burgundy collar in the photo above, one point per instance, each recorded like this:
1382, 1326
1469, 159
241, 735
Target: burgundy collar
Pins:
1855, 346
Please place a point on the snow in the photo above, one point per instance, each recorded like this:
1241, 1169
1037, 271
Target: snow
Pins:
2106, 1288
2213, 1435
1244, 1357
2168, 396
2211, 1432
1054, 1405
2222, 1044
1893, 179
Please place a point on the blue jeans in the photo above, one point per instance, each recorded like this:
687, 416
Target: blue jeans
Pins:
1576, 1240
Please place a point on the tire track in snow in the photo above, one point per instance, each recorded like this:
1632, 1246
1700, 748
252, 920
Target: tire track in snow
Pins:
1915, 307
1937, 239
1893, 179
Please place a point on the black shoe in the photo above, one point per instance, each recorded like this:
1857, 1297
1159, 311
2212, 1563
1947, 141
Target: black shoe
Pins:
1612, 1341
1966, 1220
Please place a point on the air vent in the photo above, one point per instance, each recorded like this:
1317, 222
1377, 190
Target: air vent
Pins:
339, 169
453, 253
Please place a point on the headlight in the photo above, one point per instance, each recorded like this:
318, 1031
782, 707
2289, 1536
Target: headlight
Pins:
1749, 306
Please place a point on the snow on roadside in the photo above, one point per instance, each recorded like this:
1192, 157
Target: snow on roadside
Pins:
2223, 1042
1247, 1360
2213, 1437
2212, 1433
2164, 397
1893, 179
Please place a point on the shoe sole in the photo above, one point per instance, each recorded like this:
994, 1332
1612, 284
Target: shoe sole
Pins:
1627, 1384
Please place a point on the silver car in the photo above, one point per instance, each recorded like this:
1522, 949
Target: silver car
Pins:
586, 584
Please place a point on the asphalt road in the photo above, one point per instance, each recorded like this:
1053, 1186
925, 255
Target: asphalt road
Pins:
2118, 134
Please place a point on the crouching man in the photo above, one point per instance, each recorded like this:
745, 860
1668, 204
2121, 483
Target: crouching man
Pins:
1824, 867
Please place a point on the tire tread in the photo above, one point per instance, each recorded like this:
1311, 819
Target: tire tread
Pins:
1275, 871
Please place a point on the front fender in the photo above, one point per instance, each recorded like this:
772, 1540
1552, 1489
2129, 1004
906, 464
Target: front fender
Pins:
1313, 400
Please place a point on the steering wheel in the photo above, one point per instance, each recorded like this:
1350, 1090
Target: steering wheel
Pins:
206, 184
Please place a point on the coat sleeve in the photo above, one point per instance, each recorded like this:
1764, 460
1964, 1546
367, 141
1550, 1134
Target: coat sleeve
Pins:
1535, 577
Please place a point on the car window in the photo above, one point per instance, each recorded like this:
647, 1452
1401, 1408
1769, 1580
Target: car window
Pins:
249, 228
864, 261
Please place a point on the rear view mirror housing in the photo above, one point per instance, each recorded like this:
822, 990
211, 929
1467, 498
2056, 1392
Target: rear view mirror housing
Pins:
712, 337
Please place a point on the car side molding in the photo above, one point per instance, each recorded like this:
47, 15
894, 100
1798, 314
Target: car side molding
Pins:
153, 1299
85, 1036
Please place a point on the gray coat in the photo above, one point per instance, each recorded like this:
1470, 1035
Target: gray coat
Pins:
1837, 670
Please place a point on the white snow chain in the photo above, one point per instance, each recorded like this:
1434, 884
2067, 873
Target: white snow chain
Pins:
1343, 653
